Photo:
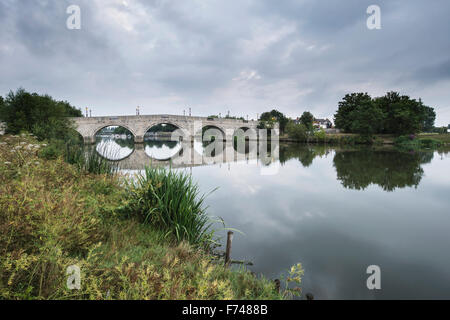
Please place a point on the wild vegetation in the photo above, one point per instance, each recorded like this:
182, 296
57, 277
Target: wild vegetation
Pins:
54, 215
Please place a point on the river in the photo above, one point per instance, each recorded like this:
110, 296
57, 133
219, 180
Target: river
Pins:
336, 210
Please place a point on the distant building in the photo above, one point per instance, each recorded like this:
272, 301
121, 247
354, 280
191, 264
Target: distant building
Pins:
322, 123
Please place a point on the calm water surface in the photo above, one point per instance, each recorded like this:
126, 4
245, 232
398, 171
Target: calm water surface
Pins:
335, 210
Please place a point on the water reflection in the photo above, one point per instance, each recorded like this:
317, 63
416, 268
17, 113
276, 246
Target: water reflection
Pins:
389, 169
114, 149
303, 153
356, 168
162, 149
336, 210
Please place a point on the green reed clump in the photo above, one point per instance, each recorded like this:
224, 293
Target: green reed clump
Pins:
97, 164
170, 201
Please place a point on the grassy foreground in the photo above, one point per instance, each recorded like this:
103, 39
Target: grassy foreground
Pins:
54, 215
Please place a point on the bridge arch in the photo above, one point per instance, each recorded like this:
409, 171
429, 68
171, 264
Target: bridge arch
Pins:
98, 128
217, 128
156, 123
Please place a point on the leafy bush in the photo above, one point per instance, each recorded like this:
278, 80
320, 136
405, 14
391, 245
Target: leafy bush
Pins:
52, 151
430, 143
320, 135
416, 143
297, 131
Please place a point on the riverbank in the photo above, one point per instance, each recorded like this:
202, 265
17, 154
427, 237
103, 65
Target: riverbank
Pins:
379, 139
54, 215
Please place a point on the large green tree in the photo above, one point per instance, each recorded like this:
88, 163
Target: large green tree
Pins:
307, 120
403, 115
277, 116
39, 114
430, 117
345, 114
393, 113
367, 120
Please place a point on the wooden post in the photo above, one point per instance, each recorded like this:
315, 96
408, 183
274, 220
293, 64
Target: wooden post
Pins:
228, 251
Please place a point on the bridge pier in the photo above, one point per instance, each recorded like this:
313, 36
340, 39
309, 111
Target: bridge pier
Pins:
89, 140
139, 139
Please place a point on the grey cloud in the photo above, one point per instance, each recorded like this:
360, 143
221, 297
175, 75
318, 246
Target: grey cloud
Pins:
166, 54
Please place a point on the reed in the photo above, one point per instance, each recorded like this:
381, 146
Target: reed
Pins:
172, 202
89, 159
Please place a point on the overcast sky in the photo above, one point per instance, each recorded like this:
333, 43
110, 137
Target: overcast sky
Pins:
246, 56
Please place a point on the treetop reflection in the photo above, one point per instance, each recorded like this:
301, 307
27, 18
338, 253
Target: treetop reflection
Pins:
358, 168
387, 169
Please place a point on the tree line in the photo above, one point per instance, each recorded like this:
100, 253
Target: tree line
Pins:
359, 113
301, 130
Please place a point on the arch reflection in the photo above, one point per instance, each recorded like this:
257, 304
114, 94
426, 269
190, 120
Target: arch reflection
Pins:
114, 149
162, 149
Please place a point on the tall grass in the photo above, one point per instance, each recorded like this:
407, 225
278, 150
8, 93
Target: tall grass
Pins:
172, 202
89, 160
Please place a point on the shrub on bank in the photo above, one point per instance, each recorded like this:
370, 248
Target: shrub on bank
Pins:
411, 141
297, 132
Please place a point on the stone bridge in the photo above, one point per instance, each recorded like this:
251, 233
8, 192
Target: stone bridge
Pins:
139, 125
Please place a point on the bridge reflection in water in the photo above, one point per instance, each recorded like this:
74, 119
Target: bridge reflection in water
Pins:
179, 154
